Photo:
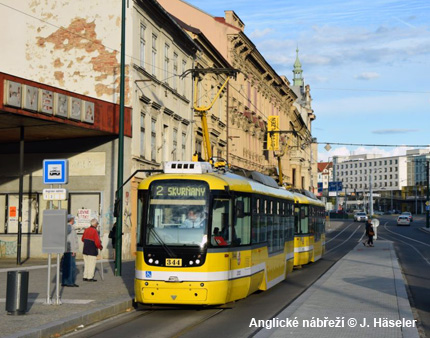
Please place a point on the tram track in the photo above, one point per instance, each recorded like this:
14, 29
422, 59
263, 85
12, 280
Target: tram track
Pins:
393, 234
231, 319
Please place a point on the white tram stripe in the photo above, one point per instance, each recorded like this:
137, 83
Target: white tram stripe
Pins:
304, 249
205, 276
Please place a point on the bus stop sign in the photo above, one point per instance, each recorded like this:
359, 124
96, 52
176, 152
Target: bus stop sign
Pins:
55, 171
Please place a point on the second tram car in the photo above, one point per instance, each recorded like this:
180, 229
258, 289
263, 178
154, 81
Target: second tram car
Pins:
210, 238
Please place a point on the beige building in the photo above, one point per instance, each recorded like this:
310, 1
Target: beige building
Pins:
209, 93
68, 55
257, 93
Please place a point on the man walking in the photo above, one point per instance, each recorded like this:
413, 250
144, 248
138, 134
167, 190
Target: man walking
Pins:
69, 263
92, 245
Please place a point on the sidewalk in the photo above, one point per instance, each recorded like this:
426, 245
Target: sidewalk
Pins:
83, 305
365, 288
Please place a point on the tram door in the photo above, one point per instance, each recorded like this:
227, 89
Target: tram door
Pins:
240, 261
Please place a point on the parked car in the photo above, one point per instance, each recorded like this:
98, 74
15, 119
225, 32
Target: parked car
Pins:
407, 213
379, 213
360, 217
403, 220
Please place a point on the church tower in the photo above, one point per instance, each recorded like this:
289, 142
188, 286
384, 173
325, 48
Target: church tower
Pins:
298, 72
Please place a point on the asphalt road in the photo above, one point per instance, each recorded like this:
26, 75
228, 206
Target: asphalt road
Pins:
413, 250
233, 319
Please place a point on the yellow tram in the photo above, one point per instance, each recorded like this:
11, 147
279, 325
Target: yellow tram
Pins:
309, 230
210, 238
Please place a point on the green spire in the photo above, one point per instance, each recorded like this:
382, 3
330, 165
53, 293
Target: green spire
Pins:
298, 72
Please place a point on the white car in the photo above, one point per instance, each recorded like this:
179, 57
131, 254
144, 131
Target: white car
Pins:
360, 217
403, 220
406, 213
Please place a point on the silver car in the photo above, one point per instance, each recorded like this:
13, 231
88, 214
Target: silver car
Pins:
360, 217
403, 220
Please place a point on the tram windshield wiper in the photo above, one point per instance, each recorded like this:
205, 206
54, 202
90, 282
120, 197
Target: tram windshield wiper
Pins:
159, 240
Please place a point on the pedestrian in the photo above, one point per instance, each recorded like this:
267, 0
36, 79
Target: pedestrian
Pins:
112, 236
68, 268
92, 245
370, 233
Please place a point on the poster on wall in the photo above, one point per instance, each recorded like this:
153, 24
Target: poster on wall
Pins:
29, 212
12, 91
88, 112
61, 105
83, 220
46, 101
75, 109
30, 98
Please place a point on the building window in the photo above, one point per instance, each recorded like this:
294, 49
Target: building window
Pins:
184, 139
154, 55
153, 141
142, 135
175, 144
142, 46
184, 66
166, 63
175, 71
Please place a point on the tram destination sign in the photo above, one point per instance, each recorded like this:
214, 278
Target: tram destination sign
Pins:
180, 191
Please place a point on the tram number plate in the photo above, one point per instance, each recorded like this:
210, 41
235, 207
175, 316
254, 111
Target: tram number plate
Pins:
173, 262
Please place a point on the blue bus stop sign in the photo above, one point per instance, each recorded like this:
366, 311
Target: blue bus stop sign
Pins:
55, 171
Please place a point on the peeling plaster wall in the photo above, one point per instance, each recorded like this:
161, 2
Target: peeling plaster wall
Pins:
74, 45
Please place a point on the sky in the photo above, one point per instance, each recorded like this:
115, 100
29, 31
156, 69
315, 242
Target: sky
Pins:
367, 64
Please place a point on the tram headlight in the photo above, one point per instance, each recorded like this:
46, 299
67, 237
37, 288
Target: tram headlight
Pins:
191, 263
156, 262
197, 261
150, 261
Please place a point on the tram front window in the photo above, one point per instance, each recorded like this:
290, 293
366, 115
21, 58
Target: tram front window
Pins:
177, 213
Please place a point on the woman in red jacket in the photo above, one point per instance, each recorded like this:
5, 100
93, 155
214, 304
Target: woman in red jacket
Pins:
92, 245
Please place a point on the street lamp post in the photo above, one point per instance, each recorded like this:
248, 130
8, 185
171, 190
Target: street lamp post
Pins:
335, 182
370, 196
428, 194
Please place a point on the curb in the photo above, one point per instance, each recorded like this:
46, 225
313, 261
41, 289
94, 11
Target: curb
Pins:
405, 310
86, 318
423, 229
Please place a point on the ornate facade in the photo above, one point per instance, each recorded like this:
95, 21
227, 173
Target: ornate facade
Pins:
257, 93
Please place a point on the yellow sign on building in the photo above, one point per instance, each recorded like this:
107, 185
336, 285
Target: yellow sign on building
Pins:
273, 138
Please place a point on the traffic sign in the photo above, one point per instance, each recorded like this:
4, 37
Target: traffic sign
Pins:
427, 203
55, 194
55, 171
333, 186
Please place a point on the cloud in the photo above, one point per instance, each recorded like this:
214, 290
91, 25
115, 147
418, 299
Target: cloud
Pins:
367, 76
344, 151
395, 131
260, 33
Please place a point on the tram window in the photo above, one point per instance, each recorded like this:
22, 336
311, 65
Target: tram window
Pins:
140, 203
297, 220
304, 221
242, 224
269, 233
239, 209
221, 217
